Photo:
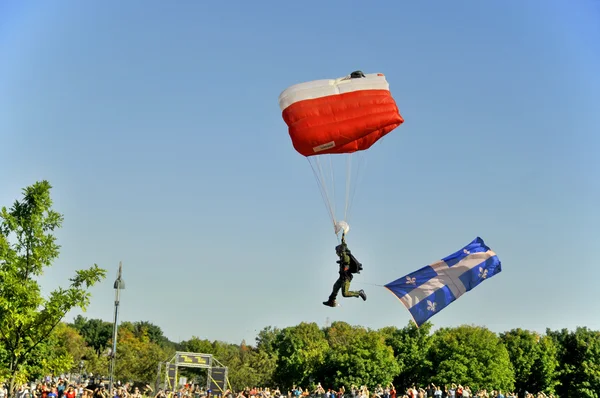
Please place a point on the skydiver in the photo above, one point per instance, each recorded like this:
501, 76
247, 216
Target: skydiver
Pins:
348, 266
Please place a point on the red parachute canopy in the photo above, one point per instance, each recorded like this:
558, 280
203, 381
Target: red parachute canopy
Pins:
342, 115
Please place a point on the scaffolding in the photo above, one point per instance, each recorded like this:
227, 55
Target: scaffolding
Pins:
216, 372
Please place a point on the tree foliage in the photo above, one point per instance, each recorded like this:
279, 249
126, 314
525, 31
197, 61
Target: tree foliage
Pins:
302, 350
345, 355
138, 356
96, 333
470, 355
579, 357
27, 247
534, 360
357, 356
411, 345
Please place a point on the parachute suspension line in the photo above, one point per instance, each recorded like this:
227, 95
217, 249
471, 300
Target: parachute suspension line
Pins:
353, 180
362, 160
331, 168
356, 180
330, 192
327, 184
348, 180
318, 173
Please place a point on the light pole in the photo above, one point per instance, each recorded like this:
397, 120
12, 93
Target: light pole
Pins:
119, 285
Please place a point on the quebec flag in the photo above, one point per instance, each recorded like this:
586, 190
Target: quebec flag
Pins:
432, 288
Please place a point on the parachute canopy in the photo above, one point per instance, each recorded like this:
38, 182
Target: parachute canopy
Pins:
341, 115
339, 119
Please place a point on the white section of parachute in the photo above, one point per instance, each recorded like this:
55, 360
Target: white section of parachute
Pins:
328, 169
325, 87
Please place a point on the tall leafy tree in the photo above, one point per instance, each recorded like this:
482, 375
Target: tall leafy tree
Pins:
266, 340
534, 360
473, 356
65, 339
138, 357
27, 247
302, 350
544, 370
250, 368
198, 345
579, 358
358, 356
96, 332
411, 345
154, 332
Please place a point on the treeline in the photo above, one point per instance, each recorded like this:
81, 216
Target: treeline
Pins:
564, 363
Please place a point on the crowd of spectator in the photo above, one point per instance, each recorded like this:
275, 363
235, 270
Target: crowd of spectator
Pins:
389, 391
64, 388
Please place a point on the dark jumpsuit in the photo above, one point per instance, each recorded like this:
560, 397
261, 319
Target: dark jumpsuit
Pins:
343, 282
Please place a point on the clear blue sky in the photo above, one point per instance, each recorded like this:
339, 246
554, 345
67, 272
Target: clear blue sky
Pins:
158, 125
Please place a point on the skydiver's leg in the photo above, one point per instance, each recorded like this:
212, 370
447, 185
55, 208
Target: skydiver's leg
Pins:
347, 293
346, 290
336, 288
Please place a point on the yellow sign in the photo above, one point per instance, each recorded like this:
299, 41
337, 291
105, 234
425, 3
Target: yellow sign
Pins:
191, 359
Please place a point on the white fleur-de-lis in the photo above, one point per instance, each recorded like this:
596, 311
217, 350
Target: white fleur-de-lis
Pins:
411, 281
466, 251
431, 305
483, 272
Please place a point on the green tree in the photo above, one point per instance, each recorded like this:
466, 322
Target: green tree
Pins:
265, 356
471, 355
96, 332
27, 246
358, 356
198, 345
411, 345
579, 358
65, 339
301, 353
138, 356
48, 357
238, 358
266, 340
544, 370
533, 358
154, 332
250, 368
264, 365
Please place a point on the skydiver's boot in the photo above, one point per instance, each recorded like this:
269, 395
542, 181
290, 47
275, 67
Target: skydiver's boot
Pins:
362, 294
330, 303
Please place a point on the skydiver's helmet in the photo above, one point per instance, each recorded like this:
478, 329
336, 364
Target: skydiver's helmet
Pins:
357, 74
